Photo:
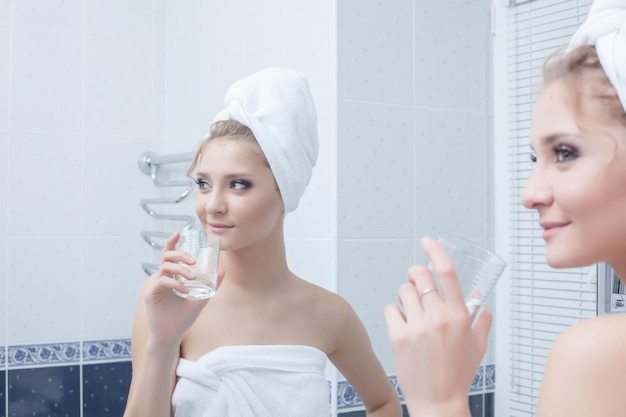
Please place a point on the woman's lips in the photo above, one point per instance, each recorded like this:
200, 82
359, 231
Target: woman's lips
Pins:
219, 228
551, 229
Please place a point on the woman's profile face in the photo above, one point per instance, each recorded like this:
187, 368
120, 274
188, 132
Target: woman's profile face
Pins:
578, 184
237, 198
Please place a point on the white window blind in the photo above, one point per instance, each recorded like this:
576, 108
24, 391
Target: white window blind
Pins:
544, 301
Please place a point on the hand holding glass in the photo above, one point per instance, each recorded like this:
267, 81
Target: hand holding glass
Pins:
205, 249
477, 270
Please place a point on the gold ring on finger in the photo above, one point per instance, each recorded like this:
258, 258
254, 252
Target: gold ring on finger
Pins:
426, 291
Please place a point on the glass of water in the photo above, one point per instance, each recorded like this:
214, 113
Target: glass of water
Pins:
205, 249
477, 270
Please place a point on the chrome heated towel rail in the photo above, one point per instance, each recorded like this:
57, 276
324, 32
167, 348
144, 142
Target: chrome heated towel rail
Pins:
150, 164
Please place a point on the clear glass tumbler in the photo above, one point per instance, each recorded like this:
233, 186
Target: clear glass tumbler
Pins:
205, 249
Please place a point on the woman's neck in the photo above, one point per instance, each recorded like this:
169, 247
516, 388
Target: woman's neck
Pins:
260, 266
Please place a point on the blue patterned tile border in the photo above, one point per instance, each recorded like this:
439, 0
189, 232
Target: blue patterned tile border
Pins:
478, 382
348, 399
117, 350
43, 354
51, 354
490, 378
106, 350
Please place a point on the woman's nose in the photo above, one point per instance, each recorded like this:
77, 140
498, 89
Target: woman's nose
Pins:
215, 202
537, 192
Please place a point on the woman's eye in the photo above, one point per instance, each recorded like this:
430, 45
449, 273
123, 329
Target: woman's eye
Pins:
239, 185
533, 157
565, 153
203, 185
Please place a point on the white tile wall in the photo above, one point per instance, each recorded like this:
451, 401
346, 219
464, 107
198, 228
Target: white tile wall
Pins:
313, 51
119, 16
452, 172
44, 289
313, 260
316, 214
193, 13
119, 89
376, 148
5, 44
3, 292
46, 79
79, 105
370, 273
66, 14
227, 36
452, 55
413, 145
3, 226
5, 12
188, 93
4, 167
112, 280
44, 184
263, 34
375, 48
112, 185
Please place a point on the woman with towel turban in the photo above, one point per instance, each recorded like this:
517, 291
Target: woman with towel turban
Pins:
578, 187
259, 347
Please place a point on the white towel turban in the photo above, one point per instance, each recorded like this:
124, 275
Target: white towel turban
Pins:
276, 104
605, 28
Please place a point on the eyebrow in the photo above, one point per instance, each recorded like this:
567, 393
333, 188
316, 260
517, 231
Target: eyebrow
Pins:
229, 176
555, 137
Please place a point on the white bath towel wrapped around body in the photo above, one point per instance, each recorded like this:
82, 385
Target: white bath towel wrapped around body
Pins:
253, 381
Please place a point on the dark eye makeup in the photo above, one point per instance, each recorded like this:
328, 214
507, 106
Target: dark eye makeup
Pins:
240, 184
202, 184
564, 153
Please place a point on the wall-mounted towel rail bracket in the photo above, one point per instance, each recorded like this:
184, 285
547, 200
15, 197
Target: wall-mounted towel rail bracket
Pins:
149, 163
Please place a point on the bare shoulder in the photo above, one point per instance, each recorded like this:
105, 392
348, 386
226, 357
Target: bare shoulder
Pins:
328, 304
350, 350
586, 366
593, 339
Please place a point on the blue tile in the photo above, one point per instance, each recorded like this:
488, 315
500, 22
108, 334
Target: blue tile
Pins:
2, 397
489, 405
358, 413
361, 413
105, 388
476, 403
44, 392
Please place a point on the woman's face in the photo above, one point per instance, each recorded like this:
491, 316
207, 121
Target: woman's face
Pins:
237, 197
578, 184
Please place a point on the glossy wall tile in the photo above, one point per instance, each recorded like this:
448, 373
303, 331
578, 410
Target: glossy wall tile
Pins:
49, 391
105, 389
50, 380
3, 393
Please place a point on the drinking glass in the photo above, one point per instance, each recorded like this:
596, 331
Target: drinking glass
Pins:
477, 270
205, 249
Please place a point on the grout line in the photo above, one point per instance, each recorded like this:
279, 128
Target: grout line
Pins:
83, 33
5, 329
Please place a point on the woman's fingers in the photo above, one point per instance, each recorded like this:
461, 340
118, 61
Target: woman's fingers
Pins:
444, 268
170, 243
408, 297
172, 258
395, 320
425, 287
172, 270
